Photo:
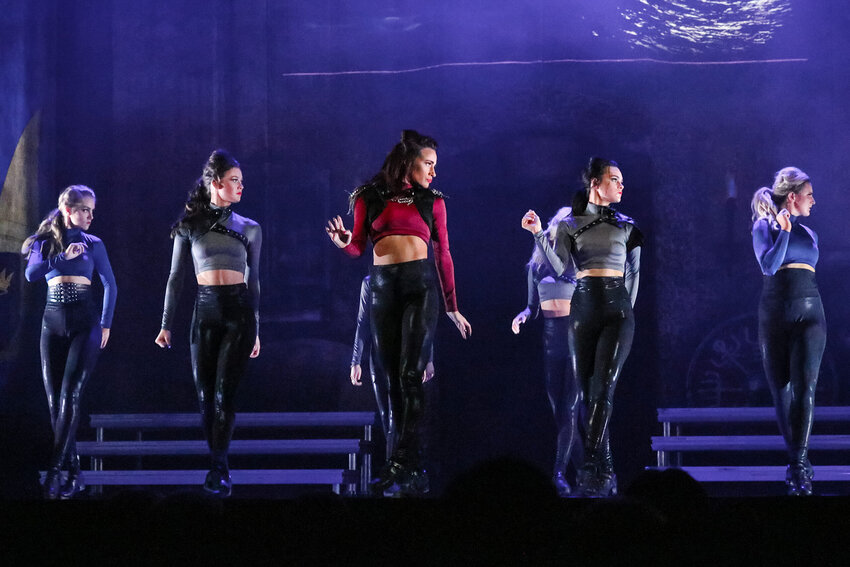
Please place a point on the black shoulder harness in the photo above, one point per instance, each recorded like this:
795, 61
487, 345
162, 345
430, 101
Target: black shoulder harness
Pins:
230, 232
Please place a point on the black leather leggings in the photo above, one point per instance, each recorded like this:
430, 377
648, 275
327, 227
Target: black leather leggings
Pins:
70, 346
381, 387
563, 390
223, 335
404, 312
601, 332
792, 336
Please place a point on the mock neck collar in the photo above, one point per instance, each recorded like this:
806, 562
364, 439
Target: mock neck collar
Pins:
220, 212
603, 210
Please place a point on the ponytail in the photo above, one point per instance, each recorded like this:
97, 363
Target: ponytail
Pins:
51, 230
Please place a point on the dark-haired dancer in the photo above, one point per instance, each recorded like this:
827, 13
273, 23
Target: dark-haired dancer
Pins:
551, 294
605, 247
400, 213
225, 250
71, 338
792, 326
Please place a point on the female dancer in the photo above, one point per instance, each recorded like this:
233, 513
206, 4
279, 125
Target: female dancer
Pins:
605, 247
71, 337
551, 294
400, 214
225, 250
792, 327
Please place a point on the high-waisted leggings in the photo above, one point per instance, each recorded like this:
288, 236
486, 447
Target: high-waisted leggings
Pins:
792, 337
404, 312
70, 345
602, 327
222, 337
563, 390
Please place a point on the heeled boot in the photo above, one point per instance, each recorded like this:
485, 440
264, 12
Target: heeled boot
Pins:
606, 470
392, 475
218, 482
51, 485
798, 477
595, 479
75, 482
415, 483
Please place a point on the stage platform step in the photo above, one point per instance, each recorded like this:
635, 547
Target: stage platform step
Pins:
760, 473
744, 443
252, 419
743, 415
259, 434
334, 477
237, 447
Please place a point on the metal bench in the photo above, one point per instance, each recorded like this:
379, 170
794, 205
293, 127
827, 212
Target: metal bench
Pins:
670, 446
358, 471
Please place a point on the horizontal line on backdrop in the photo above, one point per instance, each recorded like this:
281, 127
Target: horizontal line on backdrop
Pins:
538, 62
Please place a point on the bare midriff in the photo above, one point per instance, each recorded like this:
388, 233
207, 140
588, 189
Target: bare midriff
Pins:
599, 273
220, 277
69, 279
552, 308
797, 266
398, 248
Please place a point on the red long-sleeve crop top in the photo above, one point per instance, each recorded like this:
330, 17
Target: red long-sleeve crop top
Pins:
399, 218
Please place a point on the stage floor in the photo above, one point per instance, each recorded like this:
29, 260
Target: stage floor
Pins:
140, 527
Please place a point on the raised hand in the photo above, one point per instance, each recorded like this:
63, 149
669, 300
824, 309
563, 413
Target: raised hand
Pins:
531, 222
784, 220
337, 232
74, 249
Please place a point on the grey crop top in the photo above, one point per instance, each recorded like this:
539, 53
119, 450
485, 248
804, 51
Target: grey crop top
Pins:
544, 284
601, 238
233, 243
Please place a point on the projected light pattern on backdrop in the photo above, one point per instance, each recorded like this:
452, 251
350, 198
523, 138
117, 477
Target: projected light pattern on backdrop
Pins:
702, 26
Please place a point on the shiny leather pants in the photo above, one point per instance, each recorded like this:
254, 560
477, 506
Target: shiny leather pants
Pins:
563, 391
222, 337
404, 312
602, 327
381, 388
792, 337
70, 346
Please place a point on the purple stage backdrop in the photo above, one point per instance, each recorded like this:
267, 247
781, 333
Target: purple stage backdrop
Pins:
700, 106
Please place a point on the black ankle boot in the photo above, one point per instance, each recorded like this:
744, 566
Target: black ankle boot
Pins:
798, 480
391, 474
595, 482
218, 482
74, 484
415, 483
50, 486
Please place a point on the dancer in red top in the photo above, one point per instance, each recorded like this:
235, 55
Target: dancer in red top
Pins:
399, 212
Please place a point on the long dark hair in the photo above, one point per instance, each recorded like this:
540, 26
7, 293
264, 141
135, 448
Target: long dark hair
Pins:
595, 169
51, 230
196, 212
397, 164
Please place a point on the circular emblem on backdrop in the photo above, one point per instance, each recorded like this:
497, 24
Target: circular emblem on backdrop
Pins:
726, 369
